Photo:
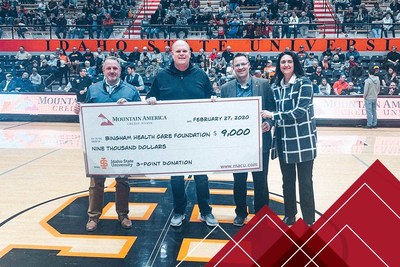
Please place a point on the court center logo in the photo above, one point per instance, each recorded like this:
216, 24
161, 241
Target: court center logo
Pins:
103, 163
104, 120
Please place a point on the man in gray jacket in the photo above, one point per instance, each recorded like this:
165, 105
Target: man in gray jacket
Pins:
371, 91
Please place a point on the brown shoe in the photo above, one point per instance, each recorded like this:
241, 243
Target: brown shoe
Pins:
125, 222
92, 224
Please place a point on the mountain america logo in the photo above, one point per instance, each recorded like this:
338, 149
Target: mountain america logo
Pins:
104, 120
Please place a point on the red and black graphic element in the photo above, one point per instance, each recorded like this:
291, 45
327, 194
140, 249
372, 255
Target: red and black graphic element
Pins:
105, 121
360, 229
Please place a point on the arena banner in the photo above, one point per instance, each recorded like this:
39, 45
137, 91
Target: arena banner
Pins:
37, 104
237, 45
172, 137
348, 107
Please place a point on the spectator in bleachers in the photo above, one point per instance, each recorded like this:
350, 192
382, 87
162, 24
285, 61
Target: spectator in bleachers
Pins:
44, 68
387, 22
36, 80
134, 78
233, 28
145, 56
353, 52
88, 55
81, 23
318, 75
11, 16
228, 55
308, 61
212, 56
342, 57
313, 68
201, 56
304, 22
121, 55
328, 53
395, 6
336, 63
95, 24
324, 87
269, 70
80, 84
341, 5
23, 84
3, 13
9, 84
208, 8
63, 68
181, 26
97, 63
325, 63
349, 19
219, 59
21, 28
349, 64
71, 28
60, 24
393, 89
134, 56
389, 76
376, 13
249, 29
356, 73
392, 59
108, 26
257, 63
21, 55
75, 55
293, 24
153, 69
376, 28
112, 53
340, 85
302, 54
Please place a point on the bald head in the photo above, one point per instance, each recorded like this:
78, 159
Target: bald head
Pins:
181, 55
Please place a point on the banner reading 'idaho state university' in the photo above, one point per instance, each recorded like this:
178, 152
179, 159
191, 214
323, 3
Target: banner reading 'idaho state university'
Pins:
237, 45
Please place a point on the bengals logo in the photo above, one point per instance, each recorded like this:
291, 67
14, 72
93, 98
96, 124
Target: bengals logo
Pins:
103, 163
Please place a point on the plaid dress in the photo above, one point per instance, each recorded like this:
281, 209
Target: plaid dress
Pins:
294, 119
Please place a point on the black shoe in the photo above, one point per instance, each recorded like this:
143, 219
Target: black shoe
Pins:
367, 127
289, 220
239, 221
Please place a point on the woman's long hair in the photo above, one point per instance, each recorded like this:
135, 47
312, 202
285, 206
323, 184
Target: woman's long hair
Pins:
298, 68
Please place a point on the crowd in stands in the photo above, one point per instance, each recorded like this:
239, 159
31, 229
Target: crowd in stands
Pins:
332, 72
270, 19
67, 19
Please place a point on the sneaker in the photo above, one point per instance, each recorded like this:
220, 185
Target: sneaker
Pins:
125, 222
239, 221
177, 220
92, 224
209, 219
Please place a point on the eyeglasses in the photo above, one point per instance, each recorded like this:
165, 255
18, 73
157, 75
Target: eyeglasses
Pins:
241, 64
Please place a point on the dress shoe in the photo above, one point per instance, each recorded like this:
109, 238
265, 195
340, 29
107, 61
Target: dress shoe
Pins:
289, 220
125, 222
92, 224
239, 221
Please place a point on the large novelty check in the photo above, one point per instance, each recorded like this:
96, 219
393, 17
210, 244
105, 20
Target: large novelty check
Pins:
172, 137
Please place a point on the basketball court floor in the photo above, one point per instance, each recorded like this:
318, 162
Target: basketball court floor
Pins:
43, 199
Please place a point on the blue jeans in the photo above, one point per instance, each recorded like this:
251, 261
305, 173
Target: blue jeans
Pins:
370, 108
179, 194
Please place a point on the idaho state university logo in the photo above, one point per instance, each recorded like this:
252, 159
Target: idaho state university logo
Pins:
103, 163
104, 120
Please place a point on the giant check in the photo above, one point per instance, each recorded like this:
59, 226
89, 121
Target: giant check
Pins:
172, 137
